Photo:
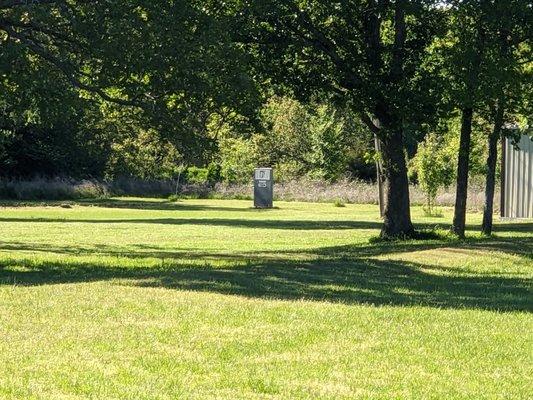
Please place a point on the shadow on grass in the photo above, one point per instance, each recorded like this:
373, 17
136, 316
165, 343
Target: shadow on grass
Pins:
224, 222
347, 274
352, 274
522, 246
164, 205
144, 204
258, 223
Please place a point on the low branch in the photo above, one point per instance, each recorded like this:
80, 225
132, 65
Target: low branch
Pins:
368, 122
6, 5
53, 34
10, 4
68, 71
322, 43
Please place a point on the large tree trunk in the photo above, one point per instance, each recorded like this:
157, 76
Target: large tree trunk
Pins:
459, 218
397, 215
488, 210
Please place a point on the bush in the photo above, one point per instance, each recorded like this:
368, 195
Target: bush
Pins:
197, 175
344, 191
238, 160
316, 140
214, 173
173, 198
339, 203
127, 186
434, 167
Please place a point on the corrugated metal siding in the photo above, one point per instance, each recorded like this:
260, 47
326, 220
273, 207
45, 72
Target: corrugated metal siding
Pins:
518, 179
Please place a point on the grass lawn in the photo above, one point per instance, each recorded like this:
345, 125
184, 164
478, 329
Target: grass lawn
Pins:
205, 299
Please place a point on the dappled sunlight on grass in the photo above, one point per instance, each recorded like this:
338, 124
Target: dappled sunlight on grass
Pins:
490, 273
214, 299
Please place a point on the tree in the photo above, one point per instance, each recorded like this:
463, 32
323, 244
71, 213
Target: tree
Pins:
466, 43
286, 141
366, 53
330, 142
476, 78
509, 79
434, 168
237, 159
305, 139
171, 60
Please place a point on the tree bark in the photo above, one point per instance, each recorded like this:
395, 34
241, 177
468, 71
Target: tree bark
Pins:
488, 210
459, 218
397, 215
379, 177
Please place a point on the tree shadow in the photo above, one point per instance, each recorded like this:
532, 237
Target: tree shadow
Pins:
516, 245
521, 246
346, 274
224, 222
163, 205
144, 204
520, 226
352, 274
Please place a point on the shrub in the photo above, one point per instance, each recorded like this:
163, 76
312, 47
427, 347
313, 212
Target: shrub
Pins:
345, 191
214, 173
51, 189
173, 198
339, 203
238, 160
433, 164
197, 175
329, 156
127, 186
432, 212
146, 155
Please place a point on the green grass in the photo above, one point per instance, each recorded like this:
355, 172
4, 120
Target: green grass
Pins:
205, 299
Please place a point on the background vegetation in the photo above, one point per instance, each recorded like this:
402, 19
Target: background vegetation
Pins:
202, 92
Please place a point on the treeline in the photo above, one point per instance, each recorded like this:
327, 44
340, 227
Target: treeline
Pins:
210, 89
313, 140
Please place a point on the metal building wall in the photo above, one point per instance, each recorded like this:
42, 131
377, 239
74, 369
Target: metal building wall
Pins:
517, 182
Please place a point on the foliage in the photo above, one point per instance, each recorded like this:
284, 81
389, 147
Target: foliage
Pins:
144, 155
339, 203
317, 140
52, 189
145, 89
435, 168
165, 66
329, 143
197, 175
287, 139
237, 160
214, 172
367, 55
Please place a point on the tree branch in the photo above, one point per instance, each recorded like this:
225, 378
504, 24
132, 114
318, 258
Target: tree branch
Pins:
399, 42
30, 26
372, 26
368, 122
321, 42
6, 5
67, 70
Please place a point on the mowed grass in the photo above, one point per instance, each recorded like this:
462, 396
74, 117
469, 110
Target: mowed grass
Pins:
204, 299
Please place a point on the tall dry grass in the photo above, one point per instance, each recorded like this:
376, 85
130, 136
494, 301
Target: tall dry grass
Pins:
348, 191
51, 189
345, 191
